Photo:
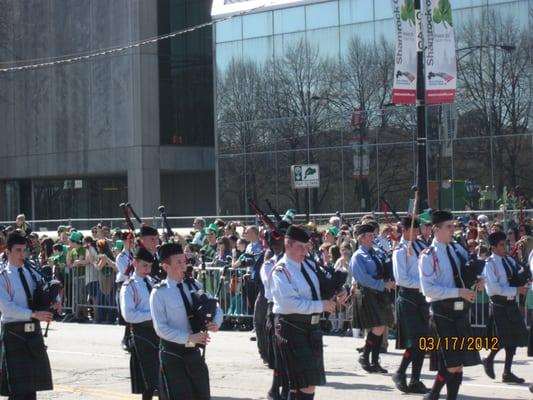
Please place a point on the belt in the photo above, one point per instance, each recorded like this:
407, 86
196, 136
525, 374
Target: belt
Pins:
408, 290
457, 304
22, 327
311, 319
144, 324
502, 299
176, 347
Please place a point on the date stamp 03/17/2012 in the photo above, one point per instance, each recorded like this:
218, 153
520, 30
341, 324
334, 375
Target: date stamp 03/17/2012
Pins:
458, 343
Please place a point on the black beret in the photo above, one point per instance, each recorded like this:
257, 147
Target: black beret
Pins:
407, 221
142, 254
16, 238
496, 237
439, 216
297, 233
148, 231
169, 249
364, 228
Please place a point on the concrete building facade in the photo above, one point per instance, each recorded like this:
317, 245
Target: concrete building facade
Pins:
79, 138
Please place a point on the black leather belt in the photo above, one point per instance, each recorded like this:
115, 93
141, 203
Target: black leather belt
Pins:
408, 290
311, 319
22, 327
144, 324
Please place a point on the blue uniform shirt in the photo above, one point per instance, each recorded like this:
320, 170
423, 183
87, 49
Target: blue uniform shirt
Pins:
290, 291
168, 311
436, 279
135, 300
13, 302
364, 269
496, 281
266, 275
405, 267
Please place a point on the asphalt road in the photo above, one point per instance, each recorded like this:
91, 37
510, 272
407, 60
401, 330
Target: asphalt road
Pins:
88, 363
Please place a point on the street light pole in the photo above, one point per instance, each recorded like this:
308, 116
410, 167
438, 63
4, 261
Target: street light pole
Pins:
421, 137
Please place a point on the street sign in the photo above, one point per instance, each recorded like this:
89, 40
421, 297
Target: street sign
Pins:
305, 176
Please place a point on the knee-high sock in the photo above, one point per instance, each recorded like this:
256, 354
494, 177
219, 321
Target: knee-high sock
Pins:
304, 396
375, 349
440, 381
275, 382
492, 355
453, 382
416, 366
406, 360
509, 355
371, 343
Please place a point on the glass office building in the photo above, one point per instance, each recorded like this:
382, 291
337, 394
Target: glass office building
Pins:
310, 83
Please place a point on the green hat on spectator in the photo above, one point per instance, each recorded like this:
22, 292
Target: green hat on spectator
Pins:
333, 230
212, 228
119, 245
425, 217
76, 237
289, 215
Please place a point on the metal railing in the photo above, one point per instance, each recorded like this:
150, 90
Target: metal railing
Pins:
96, 300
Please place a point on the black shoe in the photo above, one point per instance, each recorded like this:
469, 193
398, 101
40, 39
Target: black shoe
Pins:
379, 369
125, 344
417, 387
512, 378
360, 349
253, 339
273, 395
383, 351
400, 382
488, 366
430, 396
531, 388
365, 364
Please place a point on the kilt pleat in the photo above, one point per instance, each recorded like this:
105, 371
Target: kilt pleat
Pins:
412, 314
508, 324
144, 361
371, 309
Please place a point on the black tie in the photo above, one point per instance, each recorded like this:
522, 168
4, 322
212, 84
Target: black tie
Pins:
147, 283
456, 276
309, 282
379, 266
25, 286
186, 303
508, 268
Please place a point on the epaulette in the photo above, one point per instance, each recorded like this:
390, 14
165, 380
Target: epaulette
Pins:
427, 250
127, 281
160, 285
280, 267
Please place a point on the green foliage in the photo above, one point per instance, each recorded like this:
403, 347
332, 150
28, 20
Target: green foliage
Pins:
443, 13
407, 11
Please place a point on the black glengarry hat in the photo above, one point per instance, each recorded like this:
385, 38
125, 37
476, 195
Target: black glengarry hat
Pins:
16, 238
497, 237
407, 221
297, 233
365, 228
142, 254
169, 249
440, 216
148, 231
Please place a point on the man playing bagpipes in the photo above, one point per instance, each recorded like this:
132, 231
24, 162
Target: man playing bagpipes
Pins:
135, 309
25, 367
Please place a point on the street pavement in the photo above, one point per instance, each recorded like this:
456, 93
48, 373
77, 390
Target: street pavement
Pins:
88, 363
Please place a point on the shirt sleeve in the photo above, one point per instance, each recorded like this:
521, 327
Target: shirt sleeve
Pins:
160, 320
129, 309
8, 307
288, 298
496, 282
122, 263
399, 266
429, 280
359, 268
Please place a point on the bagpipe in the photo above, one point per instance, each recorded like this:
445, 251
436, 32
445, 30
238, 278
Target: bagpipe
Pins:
331, 281
470, 268
169, 233
267, 222
521, 277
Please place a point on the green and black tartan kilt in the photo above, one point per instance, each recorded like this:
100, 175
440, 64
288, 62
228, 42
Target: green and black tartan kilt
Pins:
24, 361
372, 308
507, 323
449, 323
184, 373
301, 350
144, 360
413, 318
271, 347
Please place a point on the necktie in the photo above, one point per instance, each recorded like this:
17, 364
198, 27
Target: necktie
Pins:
508, 268
380, 271
186, 302
309, 282
25, 286
147, 283
456, 275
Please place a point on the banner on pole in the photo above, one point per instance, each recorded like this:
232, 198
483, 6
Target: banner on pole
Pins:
439, 53
404, 88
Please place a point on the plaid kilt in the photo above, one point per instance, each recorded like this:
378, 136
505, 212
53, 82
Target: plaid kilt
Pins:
448, 323
183, 374
507, 323
413, 318
260, 316
24, 361
372, 308
271, 347
144, 360
301, 351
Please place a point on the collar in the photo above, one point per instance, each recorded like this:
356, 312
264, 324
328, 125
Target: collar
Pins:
171, 282
439, 245
404, 240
